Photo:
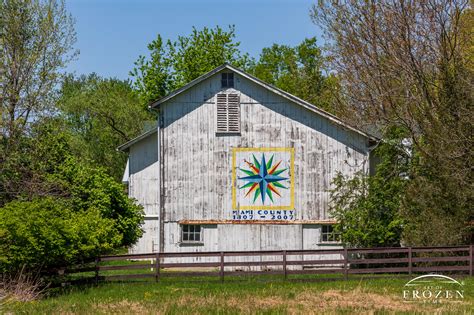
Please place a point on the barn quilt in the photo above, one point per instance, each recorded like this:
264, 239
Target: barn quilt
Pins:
263, 179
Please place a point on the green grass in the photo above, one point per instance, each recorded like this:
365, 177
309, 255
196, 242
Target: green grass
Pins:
262, 294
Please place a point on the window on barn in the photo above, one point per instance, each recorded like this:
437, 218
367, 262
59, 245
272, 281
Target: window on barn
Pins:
228, 113
328, 235
227, 80
191, 233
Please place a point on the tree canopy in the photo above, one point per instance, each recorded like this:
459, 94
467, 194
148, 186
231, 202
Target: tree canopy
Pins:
57, 206
175, 63
100, 114
36, 41
298, 70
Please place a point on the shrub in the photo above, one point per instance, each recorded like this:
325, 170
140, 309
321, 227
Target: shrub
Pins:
62, 210
46, 233
367, 208
89, 187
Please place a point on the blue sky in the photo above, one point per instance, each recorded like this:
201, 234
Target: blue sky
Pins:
111, 34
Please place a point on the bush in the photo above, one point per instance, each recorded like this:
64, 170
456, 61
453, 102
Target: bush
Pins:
46, 233
62, 210
90, 187
367, 208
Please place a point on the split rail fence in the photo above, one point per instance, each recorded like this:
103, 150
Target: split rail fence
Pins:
344, 262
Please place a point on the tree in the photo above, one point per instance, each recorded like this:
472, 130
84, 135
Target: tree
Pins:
86, 188
56, 205
298, 70
367, 208
36, 39
172, 65
50, 168
25, 173
406, 64
100, 114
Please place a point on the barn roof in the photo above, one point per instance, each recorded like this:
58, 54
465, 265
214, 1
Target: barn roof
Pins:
128, 144
270, 87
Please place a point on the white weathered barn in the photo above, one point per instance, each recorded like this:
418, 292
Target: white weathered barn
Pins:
237, 164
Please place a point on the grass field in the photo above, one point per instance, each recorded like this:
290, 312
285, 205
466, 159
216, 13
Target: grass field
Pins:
261, 295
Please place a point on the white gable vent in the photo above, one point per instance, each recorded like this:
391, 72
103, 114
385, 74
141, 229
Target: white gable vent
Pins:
228, 113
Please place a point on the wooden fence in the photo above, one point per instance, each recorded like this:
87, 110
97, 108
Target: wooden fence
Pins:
345, 262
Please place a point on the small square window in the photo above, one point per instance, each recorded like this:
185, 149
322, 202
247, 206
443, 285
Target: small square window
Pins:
227, 80
328, 235
190, 233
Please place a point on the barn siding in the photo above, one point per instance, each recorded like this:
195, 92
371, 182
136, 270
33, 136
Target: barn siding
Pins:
144, 187
144, 173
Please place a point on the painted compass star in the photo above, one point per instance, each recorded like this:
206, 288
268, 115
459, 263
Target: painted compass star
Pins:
263, 178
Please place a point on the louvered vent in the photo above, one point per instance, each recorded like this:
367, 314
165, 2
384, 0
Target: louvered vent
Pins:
228, 113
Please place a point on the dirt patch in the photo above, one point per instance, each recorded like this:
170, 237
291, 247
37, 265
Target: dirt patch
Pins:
316, 302
124, 306
356, 300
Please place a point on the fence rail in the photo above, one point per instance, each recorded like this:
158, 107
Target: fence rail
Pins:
345, 262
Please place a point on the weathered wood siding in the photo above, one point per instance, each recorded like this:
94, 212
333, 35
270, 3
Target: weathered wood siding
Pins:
144, 174
144, 186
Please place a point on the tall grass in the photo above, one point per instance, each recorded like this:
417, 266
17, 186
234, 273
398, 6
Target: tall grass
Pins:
21, 286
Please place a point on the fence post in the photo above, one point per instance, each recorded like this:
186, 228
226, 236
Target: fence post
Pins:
97, 260
471, 263
410, 263
284, 264
157, 266
222, 267
346, 259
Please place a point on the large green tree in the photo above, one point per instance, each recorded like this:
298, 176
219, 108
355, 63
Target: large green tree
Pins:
175, 63
100, 114
299, 70
57, 206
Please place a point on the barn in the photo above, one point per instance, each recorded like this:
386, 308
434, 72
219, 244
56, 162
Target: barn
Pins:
237, 164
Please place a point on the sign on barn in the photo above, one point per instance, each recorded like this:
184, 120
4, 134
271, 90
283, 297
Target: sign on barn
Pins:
263, 180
